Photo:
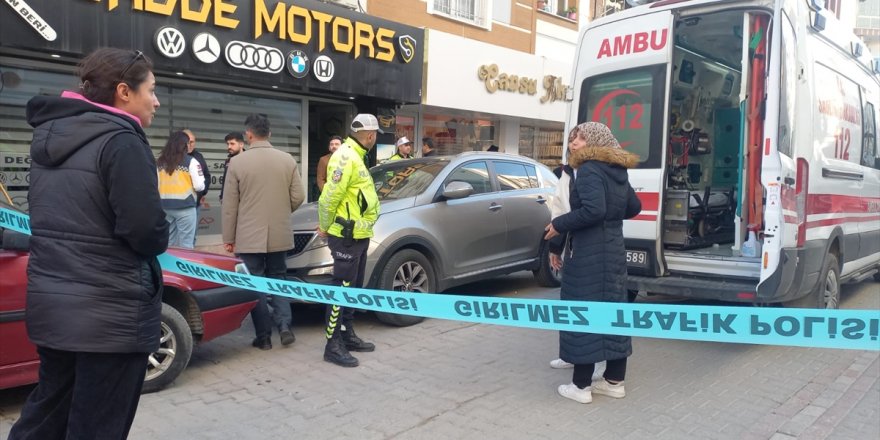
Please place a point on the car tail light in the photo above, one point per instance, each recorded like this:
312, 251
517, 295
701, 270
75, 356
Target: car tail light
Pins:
745, 295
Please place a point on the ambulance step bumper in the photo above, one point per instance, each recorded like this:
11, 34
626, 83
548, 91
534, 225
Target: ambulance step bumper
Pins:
693, 287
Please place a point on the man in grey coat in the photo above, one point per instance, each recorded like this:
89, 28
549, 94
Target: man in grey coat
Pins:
262, 188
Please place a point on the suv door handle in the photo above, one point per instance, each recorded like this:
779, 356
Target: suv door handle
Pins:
494, 206
541, 200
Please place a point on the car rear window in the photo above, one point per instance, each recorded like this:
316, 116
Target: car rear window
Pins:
407, 178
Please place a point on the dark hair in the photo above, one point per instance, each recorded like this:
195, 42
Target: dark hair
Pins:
102, 70
173, 153
335, 138
258, 125
492, 148
236, 135
428, 141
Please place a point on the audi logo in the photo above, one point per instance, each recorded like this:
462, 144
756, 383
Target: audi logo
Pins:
249, 56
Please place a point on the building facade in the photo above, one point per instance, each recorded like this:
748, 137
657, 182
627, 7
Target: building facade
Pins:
309, 66
496, 73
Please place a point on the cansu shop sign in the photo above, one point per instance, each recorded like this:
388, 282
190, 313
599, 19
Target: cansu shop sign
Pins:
494, 80
286, 20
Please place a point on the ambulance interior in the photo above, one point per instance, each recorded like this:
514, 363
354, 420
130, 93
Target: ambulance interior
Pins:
706, 153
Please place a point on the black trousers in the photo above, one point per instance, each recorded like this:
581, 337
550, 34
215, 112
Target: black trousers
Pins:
88, 396
269, 265
583, 373
349, 263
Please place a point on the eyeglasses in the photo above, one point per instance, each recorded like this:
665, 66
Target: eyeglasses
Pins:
137, 55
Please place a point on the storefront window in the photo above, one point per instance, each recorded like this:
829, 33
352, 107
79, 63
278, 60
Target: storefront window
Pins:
542, 144
453, 135
210, 115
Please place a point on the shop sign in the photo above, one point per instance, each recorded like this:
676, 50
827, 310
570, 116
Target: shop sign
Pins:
494, 81
365, 55
33, 19
14, 160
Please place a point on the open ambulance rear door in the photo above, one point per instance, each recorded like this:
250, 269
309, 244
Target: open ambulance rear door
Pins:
620, 80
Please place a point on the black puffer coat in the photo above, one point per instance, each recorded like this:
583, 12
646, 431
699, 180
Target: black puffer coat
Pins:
94, 284
596, 268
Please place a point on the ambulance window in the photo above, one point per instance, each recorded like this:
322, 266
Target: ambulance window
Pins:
788, 89
869, 139
630, 103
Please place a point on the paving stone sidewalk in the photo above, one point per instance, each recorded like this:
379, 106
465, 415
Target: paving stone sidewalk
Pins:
454, 380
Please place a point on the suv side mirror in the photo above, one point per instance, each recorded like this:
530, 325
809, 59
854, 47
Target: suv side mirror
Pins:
457, 190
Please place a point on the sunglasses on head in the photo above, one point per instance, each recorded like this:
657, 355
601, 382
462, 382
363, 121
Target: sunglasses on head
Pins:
137, 56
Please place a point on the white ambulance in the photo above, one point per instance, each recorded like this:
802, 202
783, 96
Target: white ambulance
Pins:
756, 127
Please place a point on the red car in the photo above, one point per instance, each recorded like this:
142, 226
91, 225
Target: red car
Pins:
193, 312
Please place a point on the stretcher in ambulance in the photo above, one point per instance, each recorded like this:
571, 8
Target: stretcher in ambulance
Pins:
756, 127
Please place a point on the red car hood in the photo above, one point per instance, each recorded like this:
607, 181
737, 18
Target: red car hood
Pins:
186, 283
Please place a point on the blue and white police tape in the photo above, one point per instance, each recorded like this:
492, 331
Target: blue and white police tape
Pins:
845, 329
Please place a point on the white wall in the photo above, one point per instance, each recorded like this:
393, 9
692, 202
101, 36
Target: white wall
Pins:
453, 82
555, 42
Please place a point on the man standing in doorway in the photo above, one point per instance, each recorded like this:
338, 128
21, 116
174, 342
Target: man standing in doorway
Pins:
234, 145
335, 142
262, 188
347, 209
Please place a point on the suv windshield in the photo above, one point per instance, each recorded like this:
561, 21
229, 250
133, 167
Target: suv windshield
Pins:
405, 178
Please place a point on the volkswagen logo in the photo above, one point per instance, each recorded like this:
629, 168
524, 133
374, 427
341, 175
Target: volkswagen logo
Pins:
206, 48
323, 68
170, 42
298, 63
250, 56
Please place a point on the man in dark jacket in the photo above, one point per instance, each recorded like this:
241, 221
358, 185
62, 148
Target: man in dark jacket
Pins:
234, 146
94, 296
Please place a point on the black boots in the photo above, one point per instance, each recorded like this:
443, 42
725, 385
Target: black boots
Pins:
262, 343
335, 352
287, 337
353, 342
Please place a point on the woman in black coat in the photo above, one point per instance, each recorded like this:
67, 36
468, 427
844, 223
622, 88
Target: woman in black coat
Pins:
595, 269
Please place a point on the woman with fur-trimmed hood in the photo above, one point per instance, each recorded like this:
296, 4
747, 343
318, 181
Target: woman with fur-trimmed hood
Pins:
595, 268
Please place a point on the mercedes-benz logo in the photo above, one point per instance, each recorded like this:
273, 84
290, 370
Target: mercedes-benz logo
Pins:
170, 42
206, 48
249, 56
323, 68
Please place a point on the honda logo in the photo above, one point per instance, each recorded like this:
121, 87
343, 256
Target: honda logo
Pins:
170, 42
323, 68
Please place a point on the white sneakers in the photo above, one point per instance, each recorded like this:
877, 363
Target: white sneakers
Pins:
605, 388
571, 391
560, 364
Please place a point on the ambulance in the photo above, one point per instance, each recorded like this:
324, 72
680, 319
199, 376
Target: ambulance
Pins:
756, 127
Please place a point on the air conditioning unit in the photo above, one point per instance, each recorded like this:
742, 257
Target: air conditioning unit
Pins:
350, 4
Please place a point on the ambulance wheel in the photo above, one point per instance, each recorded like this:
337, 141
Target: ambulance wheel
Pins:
407, 271
175, 350
826, 294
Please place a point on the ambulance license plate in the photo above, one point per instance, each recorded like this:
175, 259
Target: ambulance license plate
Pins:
637, 259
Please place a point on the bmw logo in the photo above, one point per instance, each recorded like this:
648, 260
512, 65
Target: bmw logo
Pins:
298, 63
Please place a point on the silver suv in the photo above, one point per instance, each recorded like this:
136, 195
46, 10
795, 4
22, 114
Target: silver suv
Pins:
444, 221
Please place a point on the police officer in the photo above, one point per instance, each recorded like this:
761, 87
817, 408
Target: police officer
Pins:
347, 209
404, 149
